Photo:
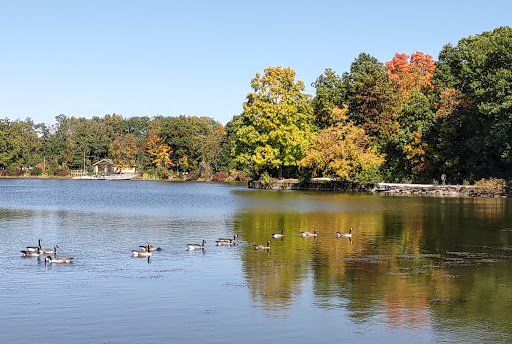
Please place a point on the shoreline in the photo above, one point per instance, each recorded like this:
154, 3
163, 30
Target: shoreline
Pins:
328, 185
392, 189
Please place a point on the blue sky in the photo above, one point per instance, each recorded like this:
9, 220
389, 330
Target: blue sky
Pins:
197, 58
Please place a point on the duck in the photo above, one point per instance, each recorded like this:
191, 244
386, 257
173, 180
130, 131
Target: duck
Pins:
309, 234
50, 250
143, 252
262, 247
27, 253
192, 247
58, 260
278, 235
226, 241
35, 248
151, 248
345, 235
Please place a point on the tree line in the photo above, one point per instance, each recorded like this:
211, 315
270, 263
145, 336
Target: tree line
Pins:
410, 119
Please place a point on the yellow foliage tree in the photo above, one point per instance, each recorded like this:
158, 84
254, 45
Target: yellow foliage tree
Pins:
124, 150
276, 122
342, 151
159, 152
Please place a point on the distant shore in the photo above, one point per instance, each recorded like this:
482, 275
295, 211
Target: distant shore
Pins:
326, 184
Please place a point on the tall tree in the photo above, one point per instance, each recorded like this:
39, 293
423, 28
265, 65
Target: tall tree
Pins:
196, 137
414, 74
370, 98
343, 151
480, 69
159, 152
411, 83
123, 150
330, 94
276, 122
19, 144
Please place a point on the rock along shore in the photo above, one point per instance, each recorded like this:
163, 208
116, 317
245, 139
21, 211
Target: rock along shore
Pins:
324, 184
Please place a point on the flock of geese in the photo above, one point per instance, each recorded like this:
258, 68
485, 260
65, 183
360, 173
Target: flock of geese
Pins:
147, 250
304, 235
51, 254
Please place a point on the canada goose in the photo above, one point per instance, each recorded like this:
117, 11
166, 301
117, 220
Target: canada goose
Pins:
278, 235
192, 247
345, 235
35, 248
50, 250
27, 253
143, 252
226, 242
151, 248
309, 234
262, 247
58, 260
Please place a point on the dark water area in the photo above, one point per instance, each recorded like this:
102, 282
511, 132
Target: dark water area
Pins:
423, 269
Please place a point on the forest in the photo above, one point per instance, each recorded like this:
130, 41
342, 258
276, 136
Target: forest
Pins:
410, 119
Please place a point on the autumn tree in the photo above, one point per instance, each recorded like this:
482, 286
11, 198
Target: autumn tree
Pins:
276, 122
411, 74
411, 84
159, 152
343, 151
124, 150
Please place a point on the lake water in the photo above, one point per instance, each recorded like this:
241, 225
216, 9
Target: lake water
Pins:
428, 270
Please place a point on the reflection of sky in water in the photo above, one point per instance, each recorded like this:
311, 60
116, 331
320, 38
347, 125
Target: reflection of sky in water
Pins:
110, 197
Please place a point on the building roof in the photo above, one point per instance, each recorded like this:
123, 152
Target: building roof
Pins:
104, 161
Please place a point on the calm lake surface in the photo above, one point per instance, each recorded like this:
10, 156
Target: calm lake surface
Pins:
428, 270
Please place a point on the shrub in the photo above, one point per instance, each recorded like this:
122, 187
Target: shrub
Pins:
305, 175
162, 172
367, 177
193, 175
266, 180
61, 173
36, 171
219, 177
238, 176
206, 169
17, 172
491, 186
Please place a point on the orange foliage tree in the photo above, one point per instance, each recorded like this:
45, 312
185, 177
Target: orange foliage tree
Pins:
411, 74
159, 152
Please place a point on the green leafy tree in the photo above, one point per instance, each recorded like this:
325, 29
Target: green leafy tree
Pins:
276, 122
330, 93
198, 138
19, 144
370, 98
479, 68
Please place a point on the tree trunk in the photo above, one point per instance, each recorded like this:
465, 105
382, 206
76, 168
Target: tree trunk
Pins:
280, 172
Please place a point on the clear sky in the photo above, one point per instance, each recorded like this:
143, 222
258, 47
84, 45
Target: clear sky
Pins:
197, 58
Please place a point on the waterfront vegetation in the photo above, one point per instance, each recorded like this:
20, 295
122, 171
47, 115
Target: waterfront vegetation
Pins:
410, 119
